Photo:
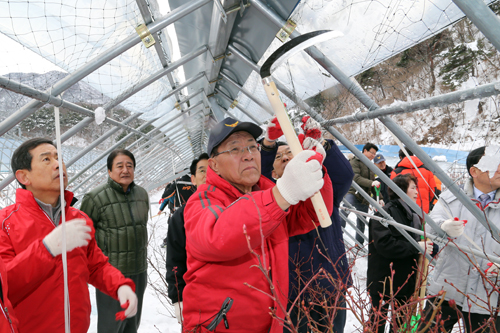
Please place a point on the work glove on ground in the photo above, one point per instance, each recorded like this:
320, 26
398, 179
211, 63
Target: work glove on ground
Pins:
77, 235
453, 227
427, 246
312, 128
302, 178
273, 131
178, 312
315, 145
128, 301
376, 183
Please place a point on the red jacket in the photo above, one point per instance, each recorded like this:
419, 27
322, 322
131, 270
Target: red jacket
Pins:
219, 262
35, 278
425, 194
8, 320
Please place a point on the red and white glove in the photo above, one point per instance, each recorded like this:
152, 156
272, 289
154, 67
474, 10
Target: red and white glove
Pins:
376, 183
302, 177
312, 128
493, 269
311, 144
128, 301
454, 227
77, 235
273, 131
427, 246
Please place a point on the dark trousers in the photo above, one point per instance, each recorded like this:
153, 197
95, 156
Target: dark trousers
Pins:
351, 198
381, 320
472, 321
107, 307
320, 317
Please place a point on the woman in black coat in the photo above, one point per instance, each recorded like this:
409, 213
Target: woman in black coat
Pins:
387, 245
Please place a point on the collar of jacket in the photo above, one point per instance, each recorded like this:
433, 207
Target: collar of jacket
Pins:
468, 188
226, 187
405, 162
26, 197
117, 187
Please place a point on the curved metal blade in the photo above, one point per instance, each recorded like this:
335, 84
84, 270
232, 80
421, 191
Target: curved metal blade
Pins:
294, 46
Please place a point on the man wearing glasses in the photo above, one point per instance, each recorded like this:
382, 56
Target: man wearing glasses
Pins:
237, 230
366, 180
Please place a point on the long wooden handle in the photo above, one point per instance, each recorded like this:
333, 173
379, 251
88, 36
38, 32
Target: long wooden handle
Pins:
294, 143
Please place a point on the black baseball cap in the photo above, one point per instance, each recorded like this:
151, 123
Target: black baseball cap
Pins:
378, 158
227, 127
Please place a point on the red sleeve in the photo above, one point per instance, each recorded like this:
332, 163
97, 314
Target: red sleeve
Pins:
102, 274
215, 232
25, 270
302, 217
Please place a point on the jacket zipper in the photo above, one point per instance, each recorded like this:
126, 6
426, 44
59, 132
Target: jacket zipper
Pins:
135, 231
5, 311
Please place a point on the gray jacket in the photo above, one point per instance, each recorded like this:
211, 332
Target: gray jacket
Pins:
455, 270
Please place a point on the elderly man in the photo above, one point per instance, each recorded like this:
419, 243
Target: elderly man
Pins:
30, 246
237, 230
119, 209
305, 257
380, 162
471, 292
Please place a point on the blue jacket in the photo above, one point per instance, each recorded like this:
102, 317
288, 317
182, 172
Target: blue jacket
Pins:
302, 248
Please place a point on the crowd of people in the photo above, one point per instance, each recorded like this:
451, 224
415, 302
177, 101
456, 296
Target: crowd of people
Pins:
245, 252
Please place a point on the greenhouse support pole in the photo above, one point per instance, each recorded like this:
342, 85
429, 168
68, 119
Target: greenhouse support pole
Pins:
153, 78
482, 91
28, 91
265, 107
242, 109
103, 137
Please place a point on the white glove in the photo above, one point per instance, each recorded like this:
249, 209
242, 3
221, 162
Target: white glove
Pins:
125, 294
312, 128
453, 227
77, 235
311, 144
381, 203
427, 246
492, 270
376, 183
178, 312
301, 179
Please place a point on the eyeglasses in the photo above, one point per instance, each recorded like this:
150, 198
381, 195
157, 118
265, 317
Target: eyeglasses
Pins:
235, 152
280, 156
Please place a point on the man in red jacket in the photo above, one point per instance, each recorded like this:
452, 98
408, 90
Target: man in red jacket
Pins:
237, 230
31, 248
